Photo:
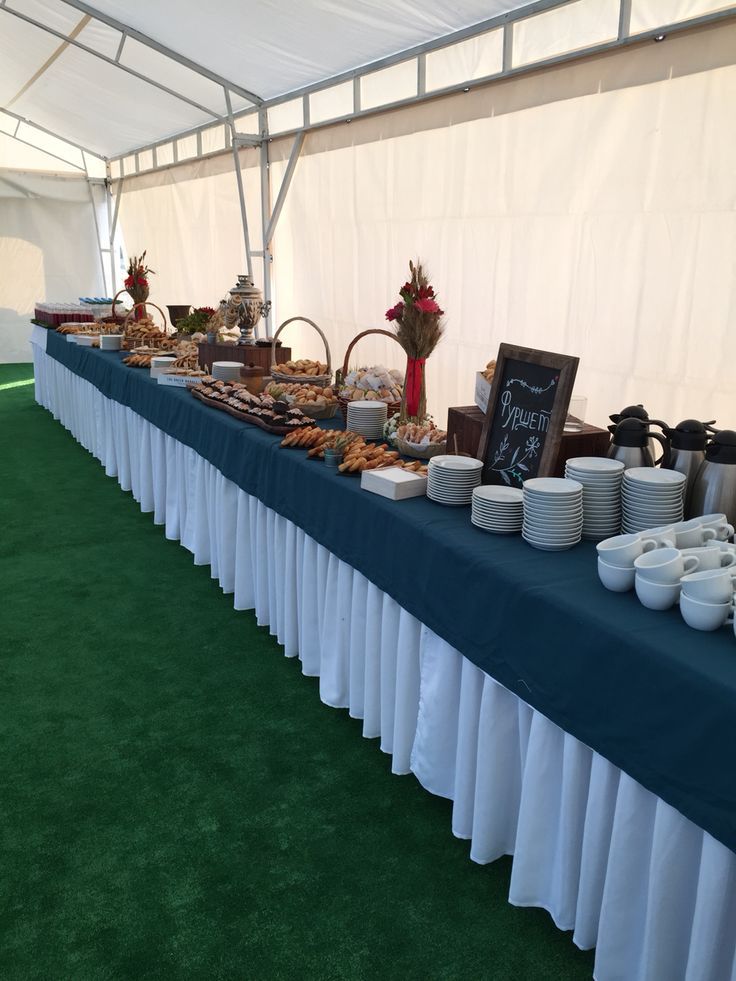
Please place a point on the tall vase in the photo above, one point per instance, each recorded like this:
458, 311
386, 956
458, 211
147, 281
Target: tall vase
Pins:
414, 399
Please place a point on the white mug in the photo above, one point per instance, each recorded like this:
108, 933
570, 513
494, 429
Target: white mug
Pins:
720, 546
656, 595
711, 558
689, 534
704, 616
663, 535
621, 550
665, 565
719, 524
710, 585
617, 578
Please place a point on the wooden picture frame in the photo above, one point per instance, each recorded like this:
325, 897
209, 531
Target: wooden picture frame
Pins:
526, 413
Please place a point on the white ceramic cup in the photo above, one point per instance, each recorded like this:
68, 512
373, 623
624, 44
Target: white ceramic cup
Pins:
656, 595
663, 535
689, 534
618, 579
665, 565
704, 616
711, 558
720, 546
719, 524
710, 585
622, 550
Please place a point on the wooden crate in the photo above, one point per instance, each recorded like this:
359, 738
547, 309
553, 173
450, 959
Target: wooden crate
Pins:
245, 353
465, 423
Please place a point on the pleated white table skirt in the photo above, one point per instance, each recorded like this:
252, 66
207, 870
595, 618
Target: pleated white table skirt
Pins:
653, 893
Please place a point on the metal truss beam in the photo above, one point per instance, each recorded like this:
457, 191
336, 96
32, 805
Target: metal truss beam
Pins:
270, 228
50, 132
86, 8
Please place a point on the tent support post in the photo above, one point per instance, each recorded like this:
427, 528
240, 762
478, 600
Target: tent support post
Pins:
265, 212
100, 250
239, 179
112, 220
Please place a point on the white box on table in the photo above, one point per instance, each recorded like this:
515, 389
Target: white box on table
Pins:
482, 391
394, 483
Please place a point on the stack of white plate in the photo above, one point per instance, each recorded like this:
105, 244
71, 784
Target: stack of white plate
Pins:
498, 509
452, 479
601, 480
651, 497
553, 513
367, 418
227, 371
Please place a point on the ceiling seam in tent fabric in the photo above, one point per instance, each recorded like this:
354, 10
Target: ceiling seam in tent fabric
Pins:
163, 49
50, 60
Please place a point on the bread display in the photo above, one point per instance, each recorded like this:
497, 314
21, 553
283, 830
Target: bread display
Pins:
489, 371
373, 383
421, 433
304, 368
301, 392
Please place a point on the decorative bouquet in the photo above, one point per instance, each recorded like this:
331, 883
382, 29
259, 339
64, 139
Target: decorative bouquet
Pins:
196, 321
418, 330
136, 282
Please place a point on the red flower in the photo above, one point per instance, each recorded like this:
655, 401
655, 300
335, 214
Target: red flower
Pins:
427, 306
395, 312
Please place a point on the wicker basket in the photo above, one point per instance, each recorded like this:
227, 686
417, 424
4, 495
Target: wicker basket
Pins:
392, 407
129, 327
424, 453
321, 380
118, 317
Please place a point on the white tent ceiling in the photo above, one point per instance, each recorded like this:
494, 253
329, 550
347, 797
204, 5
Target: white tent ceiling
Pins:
120, 75
134, 95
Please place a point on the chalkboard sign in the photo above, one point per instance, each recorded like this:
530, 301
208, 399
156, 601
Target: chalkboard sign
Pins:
526, 414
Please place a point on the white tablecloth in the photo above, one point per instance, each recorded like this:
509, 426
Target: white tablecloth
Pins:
610, 861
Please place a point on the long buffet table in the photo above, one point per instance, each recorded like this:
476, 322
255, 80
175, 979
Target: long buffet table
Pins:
571, 727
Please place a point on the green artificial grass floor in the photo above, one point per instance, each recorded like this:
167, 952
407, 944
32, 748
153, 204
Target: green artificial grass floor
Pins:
175, 801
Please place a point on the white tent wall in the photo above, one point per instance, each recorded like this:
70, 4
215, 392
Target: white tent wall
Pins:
48, 250
188, 218
588, 209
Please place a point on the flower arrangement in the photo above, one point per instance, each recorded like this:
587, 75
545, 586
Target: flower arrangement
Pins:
197, 320
419, 327
136, 282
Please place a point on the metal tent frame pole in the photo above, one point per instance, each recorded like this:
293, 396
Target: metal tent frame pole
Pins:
241, 189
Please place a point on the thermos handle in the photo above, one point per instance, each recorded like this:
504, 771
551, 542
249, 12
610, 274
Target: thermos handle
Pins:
665, 447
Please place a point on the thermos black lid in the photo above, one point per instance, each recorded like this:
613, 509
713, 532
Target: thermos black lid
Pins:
631, 432
690, 434
722, 447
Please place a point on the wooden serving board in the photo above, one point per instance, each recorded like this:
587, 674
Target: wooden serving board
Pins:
243, 416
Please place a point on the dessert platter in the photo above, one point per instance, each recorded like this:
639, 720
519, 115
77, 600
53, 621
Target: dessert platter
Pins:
258, 410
